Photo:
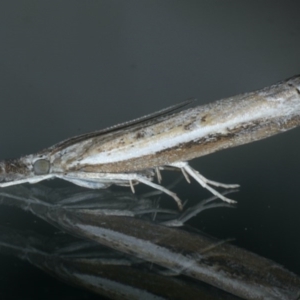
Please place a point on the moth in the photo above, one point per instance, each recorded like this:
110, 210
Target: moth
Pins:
137, 151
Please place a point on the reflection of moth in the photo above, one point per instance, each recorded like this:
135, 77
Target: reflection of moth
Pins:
136, 151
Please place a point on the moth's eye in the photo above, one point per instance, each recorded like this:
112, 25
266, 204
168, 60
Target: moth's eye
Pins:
41, 167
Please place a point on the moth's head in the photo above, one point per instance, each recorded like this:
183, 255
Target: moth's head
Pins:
17, 171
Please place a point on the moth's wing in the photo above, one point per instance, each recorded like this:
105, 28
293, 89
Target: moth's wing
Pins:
162, 112
82, 137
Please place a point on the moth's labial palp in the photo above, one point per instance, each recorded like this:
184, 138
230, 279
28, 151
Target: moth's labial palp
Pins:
41, 167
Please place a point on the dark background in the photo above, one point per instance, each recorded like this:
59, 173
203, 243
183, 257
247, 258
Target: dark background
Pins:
69, 67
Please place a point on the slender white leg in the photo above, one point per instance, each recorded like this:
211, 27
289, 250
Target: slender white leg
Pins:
158, 175
161, 188
204, 182
186, 176
27, 180
131, 186
103, 180
90, 184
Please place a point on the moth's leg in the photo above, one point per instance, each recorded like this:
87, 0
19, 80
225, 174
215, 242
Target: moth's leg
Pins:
160, 188
186, 176
131, 186
98, 180
26, 180
90, 184
187, 169
13, 182
158, 174
204, 182
40, 178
